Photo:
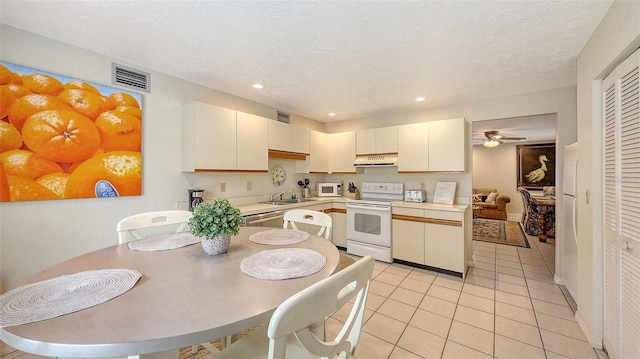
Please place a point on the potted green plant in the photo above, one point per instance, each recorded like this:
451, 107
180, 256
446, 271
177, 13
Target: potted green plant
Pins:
215, 222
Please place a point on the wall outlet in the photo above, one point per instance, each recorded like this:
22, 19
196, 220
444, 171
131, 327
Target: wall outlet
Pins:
223, 187
421, 185
248, 185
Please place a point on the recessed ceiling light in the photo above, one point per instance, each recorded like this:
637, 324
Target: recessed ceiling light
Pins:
420, 99
332, 114
257, 86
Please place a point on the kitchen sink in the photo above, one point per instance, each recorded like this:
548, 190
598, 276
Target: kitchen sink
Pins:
289, 201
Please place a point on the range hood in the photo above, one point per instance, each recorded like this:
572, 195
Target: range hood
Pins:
376, 161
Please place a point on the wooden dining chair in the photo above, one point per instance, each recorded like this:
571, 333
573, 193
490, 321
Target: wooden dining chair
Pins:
290, 332
308, 216
128, 228
175, 221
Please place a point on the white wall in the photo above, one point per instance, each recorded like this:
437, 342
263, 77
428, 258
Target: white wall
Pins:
616, 37
496, 168
36, 235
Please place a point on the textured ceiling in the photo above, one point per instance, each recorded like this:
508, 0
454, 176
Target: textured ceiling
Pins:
353, 58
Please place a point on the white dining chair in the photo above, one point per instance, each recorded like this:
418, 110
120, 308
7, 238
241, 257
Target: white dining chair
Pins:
307, 216
174, 220
128, 227
290, 332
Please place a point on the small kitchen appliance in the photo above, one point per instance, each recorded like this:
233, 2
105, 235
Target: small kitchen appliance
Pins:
415, 195
329, 189
195, 198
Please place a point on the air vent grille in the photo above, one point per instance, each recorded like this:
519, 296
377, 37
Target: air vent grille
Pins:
130, 78
283, 117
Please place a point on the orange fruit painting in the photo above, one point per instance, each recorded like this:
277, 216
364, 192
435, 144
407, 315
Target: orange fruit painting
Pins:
63, 138
110, 174
61, 135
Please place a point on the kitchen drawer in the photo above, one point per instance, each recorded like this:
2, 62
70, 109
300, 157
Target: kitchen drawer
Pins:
408, 211
446, 215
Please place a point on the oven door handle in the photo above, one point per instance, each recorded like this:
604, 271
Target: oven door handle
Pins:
373, 208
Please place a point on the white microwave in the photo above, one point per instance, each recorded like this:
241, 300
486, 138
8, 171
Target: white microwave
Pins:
329, 189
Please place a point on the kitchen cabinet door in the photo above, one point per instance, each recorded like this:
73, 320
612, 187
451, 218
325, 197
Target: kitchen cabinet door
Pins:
319, 153
251, 151
339, 224
413, 147
208, 138
366, 141
377, 140
444, 240
387, 139
447, 145
299, 139
279, 136
408, 235
343, 152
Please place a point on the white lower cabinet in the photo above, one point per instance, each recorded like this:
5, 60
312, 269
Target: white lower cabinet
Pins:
339, 224
429, 237
444, 240
408, 234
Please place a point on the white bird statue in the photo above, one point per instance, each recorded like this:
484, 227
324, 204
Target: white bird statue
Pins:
537, 175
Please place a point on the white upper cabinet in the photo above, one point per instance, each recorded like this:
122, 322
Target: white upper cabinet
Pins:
413, 147
279, 136
289, 138
216, 139
377, 140
319, 152
299, 139
447, 145
251, 146
343, 152
436, 146
387, 139
208, 138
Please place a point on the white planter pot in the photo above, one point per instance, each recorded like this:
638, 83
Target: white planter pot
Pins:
217, 245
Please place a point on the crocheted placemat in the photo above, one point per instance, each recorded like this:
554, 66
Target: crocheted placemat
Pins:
162, 242
63, 295
284, 263
276, 237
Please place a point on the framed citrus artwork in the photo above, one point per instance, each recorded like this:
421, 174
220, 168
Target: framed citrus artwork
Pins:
64, 138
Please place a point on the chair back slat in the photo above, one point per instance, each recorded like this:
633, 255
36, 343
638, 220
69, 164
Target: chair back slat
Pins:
307, 216
129, 226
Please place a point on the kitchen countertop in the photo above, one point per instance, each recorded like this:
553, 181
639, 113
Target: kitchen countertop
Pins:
434, 206
256, 208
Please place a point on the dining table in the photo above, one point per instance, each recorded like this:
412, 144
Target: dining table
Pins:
183, 297
545, 205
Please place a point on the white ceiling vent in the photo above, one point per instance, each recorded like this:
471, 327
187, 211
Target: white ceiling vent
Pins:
130, 78
283, 117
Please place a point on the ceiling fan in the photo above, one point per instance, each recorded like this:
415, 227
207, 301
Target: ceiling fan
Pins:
494, 139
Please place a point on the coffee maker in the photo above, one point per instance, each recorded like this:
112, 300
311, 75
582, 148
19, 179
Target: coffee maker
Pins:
195, 198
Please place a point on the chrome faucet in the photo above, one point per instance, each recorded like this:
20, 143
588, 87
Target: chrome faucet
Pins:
273, 196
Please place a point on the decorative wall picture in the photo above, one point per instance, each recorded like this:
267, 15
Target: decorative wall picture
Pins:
445, 192
536, 166
65, 138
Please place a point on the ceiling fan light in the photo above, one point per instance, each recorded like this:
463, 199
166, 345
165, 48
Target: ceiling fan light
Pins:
491, 143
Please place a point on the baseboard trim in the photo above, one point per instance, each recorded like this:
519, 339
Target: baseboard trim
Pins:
595, 342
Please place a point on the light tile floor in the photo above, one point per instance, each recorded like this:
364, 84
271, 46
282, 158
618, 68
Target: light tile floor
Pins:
508, 306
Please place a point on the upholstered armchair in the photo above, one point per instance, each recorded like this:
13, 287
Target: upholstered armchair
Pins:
496, 209
531, 213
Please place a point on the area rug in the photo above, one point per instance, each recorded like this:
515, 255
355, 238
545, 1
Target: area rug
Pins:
502, 232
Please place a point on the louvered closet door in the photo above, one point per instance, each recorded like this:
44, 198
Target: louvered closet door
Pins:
622, 209
611, 262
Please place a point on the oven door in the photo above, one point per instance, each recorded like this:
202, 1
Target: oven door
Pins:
369, 223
